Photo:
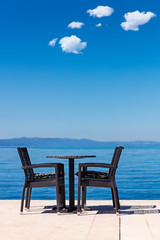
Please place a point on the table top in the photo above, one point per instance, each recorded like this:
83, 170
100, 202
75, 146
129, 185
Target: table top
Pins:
72, 157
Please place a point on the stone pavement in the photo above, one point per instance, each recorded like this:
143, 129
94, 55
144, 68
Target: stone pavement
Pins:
138, 220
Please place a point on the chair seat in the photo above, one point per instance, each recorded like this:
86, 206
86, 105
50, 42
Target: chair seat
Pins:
43, 175
94, 174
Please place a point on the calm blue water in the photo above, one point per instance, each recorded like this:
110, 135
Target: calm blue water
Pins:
138, 175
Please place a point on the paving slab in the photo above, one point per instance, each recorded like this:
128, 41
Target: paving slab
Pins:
137, 220
153, 221
135, 227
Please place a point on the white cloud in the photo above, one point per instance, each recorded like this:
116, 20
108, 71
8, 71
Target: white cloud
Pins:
100, 11
75, 25
134, 19
53, 42
72, 44
99, 25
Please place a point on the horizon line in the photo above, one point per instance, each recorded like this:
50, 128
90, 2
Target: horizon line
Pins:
80, 139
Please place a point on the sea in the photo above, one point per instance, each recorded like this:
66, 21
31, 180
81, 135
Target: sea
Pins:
137, 176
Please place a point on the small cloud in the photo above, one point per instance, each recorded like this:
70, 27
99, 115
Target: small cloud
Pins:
99, 25
53, 42
134, 19
75, 25
72, 44
100, 11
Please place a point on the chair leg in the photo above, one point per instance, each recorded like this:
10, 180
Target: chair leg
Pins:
58, 198
27, 195
29, 198
63, 200
117, 197
62, 189
84, 191
22, 200
79, 195
113, 198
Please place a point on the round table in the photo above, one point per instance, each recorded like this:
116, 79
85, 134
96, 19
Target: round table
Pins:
71, 176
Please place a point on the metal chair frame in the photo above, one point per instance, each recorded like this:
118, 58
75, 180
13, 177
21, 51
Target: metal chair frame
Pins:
110, 182
30, 182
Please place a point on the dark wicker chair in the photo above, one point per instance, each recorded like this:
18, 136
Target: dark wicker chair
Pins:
33, 180
99, 179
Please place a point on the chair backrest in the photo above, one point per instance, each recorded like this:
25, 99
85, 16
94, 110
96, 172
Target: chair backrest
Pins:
115, 160
25, 160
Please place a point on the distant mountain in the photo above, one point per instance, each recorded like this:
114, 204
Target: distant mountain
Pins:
66, 142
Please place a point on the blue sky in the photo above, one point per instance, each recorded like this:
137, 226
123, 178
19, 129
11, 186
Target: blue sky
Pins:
110, 91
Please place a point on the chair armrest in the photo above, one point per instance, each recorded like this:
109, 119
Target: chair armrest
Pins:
101, 165
41, 165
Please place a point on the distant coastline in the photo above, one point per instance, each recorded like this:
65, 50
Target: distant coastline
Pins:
67, 142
